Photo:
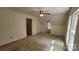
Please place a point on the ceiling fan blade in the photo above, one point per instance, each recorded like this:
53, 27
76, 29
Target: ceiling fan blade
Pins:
47, 13
35, 11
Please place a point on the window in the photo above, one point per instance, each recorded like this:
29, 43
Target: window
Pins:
49, 25
72, 24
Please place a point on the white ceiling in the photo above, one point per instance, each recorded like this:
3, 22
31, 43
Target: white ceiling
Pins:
52, 10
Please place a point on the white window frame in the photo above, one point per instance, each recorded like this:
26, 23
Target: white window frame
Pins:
71, 30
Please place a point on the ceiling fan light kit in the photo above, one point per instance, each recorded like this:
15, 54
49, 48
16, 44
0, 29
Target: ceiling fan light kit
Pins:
41, 15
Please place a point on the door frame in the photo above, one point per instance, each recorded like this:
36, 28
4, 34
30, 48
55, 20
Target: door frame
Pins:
27, 25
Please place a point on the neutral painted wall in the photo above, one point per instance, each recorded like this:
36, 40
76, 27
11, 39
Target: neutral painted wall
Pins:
13, 24
44, 24
58, 24
36, 26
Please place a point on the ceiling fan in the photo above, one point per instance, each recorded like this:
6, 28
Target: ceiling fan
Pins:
42, 12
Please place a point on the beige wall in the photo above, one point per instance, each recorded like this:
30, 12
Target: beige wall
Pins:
36, 26
58, 30
58, 24
44, 24
13, 24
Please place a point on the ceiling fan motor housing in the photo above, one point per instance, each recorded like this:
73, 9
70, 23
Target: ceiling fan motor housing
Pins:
41, 12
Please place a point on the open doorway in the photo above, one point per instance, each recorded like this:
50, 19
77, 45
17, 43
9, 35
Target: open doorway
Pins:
29, 26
